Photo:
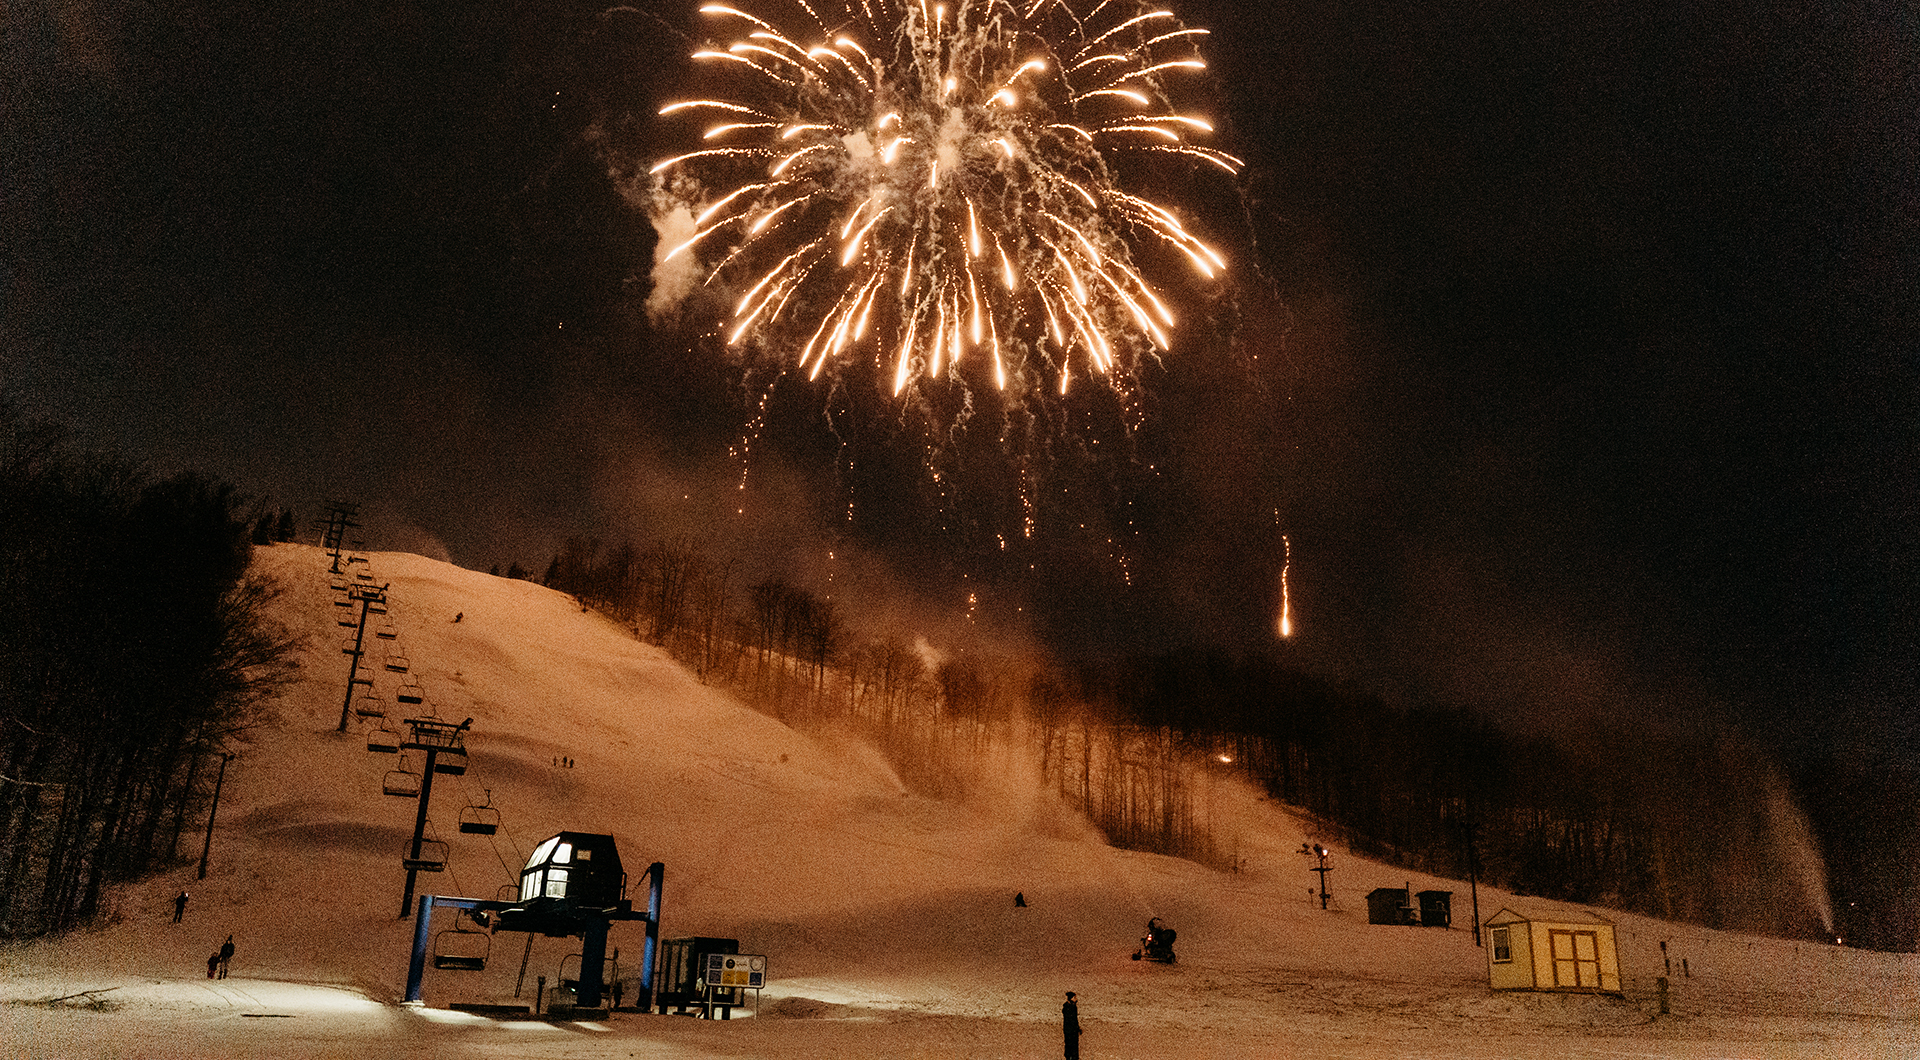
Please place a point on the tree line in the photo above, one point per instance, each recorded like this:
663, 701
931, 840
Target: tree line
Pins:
1634, 817
137, 648
1660, 816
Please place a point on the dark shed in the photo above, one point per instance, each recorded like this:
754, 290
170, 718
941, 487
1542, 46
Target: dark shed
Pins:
1388, 905
1436, 908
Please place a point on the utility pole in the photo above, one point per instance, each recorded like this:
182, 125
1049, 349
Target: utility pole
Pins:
433, 737
220, 781
366, 595
1320, 853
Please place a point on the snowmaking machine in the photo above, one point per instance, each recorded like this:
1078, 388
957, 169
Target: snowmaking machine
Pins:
1157, 943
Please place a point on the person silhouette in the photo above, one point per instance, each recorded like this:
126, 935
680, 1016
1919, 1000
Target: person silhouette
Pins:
1070, 1026
225, 955
179, 906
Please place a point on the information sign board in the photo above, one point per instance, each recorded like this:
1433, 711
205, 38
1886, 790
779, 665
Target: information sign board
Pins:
728, 971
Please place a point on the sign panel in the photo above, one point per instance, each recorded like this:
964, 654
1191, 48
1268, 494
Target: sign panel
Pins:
727, 971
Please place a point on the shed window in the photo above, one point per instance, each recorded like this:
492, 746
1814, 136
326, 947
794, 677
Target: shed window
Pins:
1502, 946
556, 883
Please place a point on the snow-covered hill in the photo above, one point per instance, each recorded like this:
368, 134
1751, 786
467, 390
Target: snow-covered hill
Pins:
888, 918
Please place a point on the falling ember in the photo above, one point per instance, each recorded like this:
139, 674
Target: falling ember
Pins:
866, 153
1286, 601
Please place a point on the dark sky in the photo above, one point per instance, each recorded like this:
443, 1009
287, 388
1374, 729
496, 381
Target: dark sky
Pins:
1572, 346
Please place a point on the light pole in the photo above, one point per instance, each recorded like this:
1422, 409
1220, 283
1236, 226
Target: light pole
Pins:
1319, 853
207, 848
1473, 877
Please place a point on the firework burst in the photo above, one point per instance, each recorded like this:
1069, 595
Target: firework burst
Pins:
932, 190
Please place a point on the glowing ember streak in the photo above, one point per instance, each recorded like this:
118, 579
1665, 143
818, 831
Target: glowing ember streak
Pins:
1286, 598
879, 157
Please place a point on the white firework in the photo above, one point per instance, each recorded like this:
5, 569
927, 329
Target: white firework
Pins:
932, 190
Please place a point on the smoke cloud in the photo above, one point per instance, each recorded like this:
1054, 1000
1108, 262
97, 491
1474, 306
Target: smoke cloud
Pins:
674, 277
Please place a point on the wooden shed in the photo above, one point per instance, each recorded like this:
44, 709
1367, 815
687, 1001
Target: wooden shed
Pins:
1570, 951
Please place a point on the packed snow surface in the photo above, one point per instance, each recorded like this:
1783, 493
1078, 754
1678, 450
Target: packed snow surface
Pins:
888, 918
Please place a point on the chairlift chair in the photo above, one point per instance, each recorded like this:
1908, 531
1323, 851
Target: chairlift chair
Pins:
461, 949
433, 857
481, 819
370, 706
452, 763
384, 739
397, 663
403, 782
388, 633
410, 692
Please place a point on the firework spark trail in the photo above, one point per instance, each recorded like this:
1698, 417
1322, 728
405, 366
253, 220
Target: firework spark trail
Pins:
927, 188
1285, 626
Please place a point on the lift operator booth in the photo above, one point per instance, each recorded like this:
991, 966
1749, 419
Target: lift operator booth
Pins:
573, 885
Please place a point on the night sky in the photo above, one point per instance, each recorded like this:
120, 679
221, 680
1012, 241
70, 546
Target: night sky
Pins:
1572, 346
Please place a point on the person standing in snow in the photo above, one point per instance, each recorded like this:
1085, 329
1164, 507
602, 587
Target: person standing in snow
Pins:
213, 963
179, 906
226, 954
1070, 1026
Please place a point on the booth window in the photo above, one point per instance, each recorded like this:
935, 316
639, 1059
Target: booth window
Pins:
1502, 946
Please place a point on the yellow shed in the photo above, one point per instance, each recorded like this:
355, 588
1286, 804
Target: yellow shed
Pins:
1571, 951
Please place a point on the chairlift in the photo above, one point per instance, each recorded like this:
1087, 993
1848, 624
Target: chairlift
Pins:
461, 949
343, 603
433, 857
570, 983
376, 609
397, 663
370, 706
349, 622
410, 692
452, 763
388, 633
481, 819
384, 739
403, 782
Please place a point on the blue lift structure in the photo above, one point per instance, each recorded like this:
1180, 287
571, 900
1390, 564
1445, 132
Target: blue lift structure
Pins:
572, 886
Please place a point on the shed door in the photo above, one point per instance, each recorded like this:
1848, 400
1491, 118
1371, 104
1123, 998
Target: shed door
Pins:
1576, 958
